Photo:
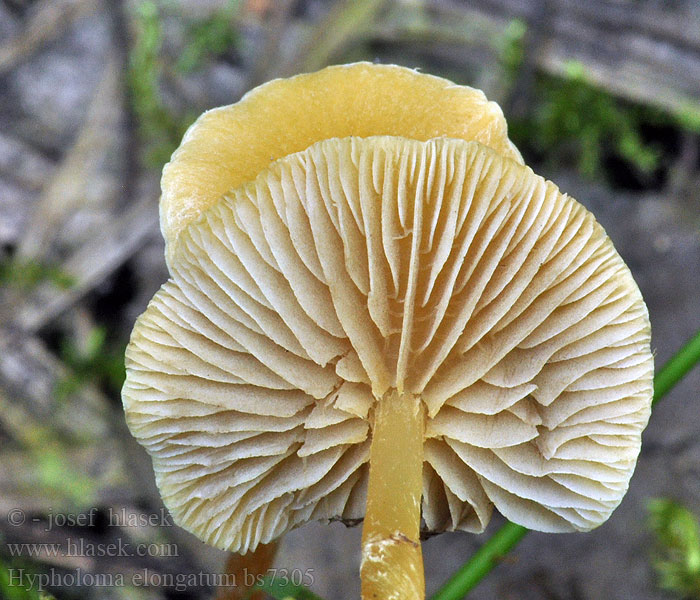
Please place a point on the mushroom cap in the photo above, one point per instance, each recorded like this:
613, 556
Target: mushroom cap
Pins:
230, 145
359, 265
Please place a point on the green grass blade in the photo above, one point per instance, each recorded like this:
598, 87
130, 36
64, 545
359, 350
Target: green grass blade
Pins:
677, 368
507, 537
479, 565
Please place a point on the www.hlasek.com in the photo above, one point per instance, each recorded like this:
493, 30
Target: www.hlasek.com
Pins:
179, 582
75, 547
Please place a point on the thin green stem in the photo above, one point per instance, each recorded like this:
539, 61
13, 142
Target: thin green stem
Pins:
676, 368
508, 536
485, 559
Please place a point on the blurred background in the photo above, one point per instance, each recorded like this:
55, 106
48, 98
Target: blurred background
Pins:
601, 97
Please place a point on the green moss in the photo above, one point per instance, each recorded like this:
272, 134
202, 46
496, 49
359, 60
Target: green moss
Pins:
574, 121
57, 477
511, 49
689, 117
677, 554
161, 127
25, 274
209, 38
10, 591
95, 363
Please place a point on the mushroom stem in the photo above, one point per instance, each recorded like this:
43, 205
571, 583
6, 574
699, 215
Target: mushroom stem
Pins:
244, 571
392, 561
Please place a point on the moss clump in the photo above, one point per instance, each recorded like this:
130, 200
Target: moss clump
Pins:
25, 274
94, 363
677, 554
574, 121
159, 125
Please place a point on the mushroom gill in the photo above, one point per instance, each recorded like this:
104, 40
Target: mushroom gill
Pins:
433, 300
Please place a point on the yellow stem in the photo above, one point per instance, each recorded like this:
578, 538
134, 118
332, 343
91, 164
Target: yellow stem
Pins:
392, 561
243, 571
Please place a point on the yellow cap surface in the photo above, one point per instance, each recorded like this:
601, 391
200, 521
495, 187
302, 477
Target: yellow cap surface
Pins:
229, 146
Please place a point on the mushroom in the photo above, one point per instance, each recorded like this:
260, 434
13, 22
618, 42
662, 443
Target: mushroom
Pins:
377, 312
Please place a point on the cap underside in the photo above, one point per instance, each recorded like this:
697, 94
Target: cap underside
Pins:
360, 265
